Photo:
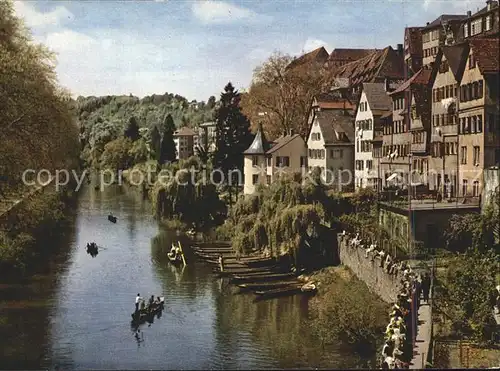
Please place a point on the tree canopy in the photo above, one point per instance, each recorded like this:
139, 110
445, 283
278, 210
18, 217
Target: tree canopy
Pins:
282, 96
38, 130
167, 147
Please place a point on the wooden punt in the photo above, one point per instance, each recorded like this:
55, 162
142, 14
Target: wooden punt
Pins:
266, 285
262, 278
299, 289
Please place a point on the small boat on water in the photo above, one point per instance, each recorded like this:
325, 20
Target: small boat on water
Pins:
92, 249
285, 291
267, 285
112, 218
262, 278
176, 254
148, 313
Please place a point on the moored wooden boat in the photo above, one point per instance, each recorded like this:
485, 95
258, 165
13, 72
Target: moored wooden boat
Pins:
262, 278
292, 290
267, 285
147, 313
112, 218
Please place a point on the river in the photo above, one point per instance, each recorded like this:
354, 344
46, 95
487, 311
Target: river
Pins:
76, 314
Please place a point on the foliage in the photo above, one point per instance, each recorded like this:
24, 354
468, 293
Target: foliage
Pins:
285, 94
190, 199
132, 130
38, 130
473, 230
465, 295
167, 147
345, 310
232, 128
156, 143
116, 154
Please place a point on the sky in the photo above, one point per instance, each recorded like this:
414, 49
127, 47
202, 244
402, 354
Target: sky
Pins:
193, 48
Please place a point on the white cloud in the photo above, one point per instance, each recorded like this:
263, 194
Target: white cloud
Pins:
312, 44
35, 19
209, 11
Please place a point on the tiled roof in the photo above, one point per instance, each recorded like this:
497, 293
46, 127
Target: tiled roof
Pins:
422, 77
184, 131
485, 10
282, 141
349, 54
333, 100
260, 145
456, 56
335, 127
377, 96
319, 56
380, 64
415, 39
486, 54
445, 18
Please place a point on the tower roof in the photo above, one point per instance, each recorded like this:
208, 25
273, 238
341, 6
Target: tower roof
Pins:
260, 145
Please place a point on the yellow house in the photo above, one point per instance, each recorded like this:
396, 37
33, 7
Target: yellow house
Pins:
265, 161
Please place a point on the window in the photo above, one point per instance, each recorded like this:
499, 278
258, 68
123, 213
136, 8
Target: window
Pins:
474, 124
472, 61
303, 161
488, 23
268, 179
359, 164
270, 160
282, 161
255, 161
476, 155
476, 27
369, 164
480, 87
475, 188
464, 187
466, 30
463, 155
255, 178
479, 123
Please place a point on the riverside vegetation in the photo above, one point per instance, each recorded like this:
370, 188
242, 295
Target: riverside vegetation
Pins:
38, 132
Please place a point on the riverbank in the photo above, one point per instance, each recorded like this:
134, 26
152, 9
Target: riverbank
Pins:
28, 229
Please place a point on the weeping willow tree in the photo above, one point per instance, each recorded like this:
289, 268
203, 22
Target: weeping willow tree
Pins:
183, 192
277, 220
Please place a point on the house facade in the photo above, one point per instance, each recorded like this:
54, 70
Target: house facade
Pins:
184, 143
265, 162
479, 148
330, 146
373, 104
206, 136
484, 23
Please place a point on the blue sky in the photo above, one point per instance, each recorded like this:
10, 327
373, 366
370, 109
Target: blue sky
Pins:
193, 48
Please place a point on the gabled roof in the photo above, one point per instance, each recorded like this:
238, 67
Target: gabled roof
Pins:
335, 127
456, 56
260, 145
485, 10
445, 18
486, 54
422, 77
385, 63
377, 96
332, 100
184, 131
319, 55
349, 54
282, 141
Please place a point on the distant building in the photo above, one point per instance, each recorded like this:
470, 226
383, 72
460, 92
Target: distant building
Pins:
206, 137
184, 142
413, 50
265, 161
315, 58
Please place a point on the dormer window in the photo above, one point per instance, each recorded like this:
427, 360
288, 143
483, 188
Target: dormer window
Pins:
488, 23
466, 30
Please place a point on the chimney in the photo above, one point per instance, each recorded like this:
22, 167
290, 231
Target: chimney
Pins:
428, 23
489, 4
469, 13
400, 49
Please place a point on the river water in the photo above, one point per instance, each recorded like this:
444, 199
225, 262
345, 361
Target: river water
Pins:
76, 314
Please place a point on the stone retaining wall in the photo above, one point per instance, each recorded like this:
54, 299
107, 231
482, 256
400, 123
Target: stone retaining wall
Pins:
368, 270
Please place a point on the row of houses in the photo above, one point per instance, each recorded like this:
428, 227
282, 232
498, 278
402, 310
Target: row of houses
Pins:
426, 111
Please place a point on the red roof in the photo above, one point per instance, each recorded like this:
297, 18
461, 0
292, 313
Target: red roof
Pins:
319, 55
486, 53
422, 77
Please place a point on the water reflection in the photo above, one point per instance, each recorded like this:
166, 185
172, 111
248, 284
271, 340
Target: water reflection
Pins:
77, 316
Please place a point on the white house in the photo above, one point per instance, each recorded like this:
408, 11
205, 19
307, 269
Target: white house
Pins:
374, 103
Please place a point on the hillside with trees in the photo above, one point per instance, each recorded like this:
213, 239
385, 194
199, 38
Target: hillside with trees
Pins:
105, 119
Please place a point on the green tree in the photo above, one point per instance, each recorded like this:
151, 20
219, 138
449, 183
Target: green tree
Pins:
156, 143
211, 102
233, 135
116, 155
465, 296
132, 130
167, 150
36, 122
